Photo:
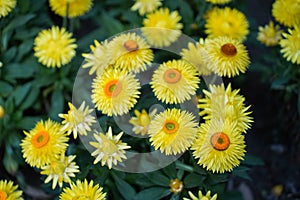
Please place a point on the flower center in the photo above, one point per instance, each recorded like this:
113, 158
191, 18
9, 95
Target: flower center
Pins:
229, 49
112, 88
81, 197
220, 141
2, 195
172, 76
144, 118
176, 186
108, 146
131, 45
40, 139
170, 126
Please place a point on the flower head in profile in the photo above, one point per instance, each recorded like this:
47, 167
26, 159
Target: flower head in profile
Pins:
218, 1
9, 191
109, 148
141, 121
115, 92
201, 196
287, 12
43, 143
77, 120
175, 81
6, 6
98, 59
172, 131
130, 52
219, 146
71, 8
226, 22
83, 190
146, 6
60, 170
269, 34
195, 54
225, 104
162, 27
54, 47
226, 56
290, 45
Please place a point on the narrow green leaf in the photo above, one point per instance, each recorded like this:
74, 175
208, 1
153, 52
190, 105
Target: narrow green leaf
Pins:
27, 123
57, 104
6, 89
125, 189
17, 22
152, 193
30, 98
158, 178
21, 92
251, 159
241, 171
193, 180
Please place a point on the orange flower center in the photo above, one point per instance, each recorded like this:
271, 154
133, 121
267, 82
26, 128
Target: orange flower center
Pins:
220, 141
170, 126
228, 49
176, 186
112, 88
2, 195
40, 139
131, 45
172, 76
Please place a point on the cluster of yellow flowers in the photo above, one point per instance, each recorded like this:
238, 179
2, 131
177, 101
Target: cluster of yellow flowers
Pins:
287, 13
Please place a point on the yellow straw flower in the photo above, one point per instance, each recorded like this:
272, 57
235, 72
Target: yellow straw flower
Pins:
162, 27
75, 7
176, 186
290, 45
225, 104
226, 22
109, 149
175, 81
98, 59
226, 56
220, 146
141, 121
195, 54
82, 191
130, 52
6, 7
269, 34
201, 196
43, 143
2, 112
287, 12
115, 92
146, 6
54, 47
8, 191
172, 131
60, 170
218, 1
77, 120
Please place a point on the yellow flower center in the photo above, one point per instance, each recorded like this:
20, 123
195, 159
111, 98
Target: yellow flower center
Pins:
144, 118
112, 88
220, 141
170, 126
108, 146
229, 49
131, 45
176, 186
172, 76
58, 167
40, 139
2, 195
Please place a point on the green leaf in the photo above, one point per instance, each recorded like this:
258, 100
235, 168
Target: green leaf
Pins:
251, 159
6, 89
11, 165
241, 171
17, 22
158, 178
110, 25
170, 170
27, 123
30, 98
57, 104
20, 93
152, 193
193, 180
16, 70
186, 12
125, 189
24, 48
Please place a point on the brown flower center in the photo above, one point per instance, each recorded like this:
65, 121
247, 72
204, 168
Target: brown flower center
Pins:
131, 45
170, 126
229, 49
172, 76
40, 139
176, 186
220, 141
112, 88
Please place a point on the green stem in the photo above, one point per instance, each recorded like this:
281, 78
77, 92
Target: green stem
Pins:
188, 168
